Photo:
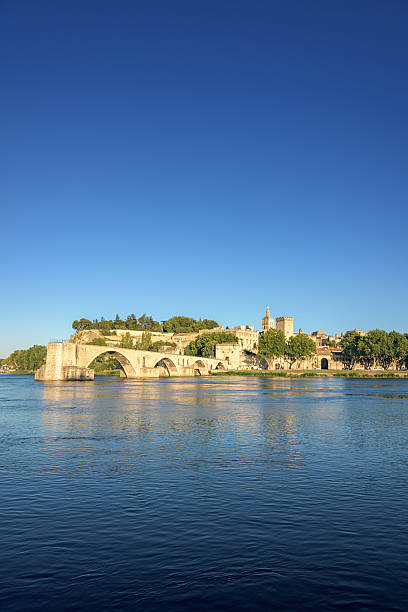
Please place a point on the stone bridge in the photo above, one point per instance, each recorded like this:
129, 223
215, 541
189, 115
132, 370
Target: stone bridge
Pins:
71, 361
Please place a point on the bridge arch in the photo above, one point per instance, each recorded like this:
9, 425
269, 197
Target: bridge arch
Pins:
125, 365
220, 366
199, 368
166, 367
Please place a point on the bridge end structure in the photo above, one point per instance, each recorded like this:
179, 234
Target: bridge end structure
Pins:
61, 364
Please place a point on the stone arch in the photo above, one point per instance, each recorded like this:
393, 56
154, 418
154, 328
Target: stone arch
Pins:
220, 366
127, 369
264, 364
199, 368
166, 367
324, 364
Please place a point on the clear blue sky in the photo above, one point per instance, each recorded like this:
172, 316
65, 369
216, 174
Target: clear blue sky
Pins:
203, 158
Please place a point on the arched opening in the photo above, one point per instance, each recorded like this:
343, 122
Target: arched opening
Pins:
199, 368
112, 362
324, 364
220, 366
166, 367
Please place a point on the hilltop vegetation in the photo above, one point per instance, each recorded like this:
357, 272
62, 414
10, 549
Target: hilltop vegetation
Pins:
144, 322
175, 325
183, 325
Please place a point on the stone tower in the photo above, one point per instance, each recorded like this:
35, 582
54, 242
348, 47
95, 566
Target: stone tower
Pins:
285, 324
268, 322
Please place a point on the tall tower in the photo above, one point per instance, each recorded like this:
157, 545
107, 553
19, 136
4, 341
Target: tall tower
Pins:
268, 322
285, 324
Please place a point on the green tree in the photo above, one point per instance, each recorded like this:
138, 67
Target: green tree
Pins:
144, 322
179, 325
126, 341
386, 349
145, 342
272, 343
98, 341
83, 324
30, 359
204, 345
205, 324
183, 325
117, 323
399, 344
300, 347
104, 363
156, 346
377, 348
351, 349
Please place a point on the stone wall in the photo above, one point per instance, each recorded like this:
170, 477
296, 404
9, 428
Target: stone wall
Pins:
230, 353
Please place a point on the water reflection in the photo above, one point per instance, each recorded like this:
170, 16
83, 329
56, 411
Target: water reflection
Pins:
203, 493
189, 419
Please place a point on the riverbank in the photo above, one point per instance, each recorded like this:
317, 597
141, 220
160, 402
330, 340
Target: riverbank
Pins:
24, 372
108, 373
311, 373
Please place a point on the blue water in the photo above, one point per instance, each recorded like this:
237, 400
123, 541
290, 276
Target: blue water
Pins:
204, 494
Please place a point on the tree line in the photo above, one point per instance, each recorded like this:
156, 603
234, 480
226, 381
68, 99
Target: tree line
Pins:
377, 348
175, 325
27, 360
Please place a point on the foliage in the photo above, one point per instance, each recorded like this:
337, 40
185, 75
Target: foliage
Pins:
30, 359
157, 345
399, 348
144, 343
83, 324
300, 347
182, 325
349, 345
144, 322
204, 344
272, 343
126, 341
98, 341
377, 348
104, 363
178, 324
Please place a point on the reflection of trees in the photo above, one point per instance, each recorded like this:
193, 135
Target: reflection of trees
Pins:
280, 421
134, 424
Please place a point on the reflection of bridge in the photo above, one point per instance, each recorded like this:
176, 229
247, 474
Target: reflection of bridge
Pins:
70, 361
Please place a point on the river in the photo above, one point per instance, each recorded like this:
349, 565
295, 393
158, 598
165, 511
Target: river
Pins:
204, 494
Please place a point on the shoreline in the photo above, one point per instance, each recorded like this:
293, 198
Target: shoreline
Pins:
267, 374
312, 374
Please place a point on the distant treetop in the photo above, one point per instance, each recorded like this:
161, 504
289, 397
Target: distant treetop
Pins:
180, 325
175, 325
